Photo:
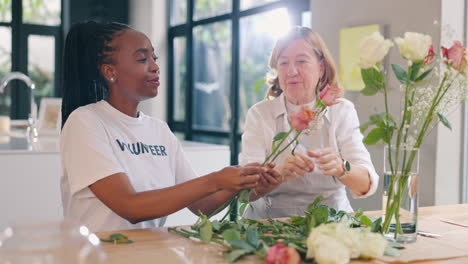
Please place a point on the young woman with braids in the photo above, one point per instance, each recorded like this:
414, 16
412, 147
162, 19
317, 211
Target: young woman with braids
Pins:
121, 168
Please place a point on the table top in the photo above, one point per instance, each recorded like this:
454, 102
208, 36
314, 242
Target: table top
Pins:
160, 246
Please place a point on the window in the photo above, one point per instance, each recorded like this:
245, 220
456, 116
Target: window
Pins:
218, 58
30, 33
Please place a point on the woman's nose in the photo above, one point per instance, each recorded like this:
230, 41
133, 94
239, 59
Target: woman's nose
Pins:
292, 70
154, 67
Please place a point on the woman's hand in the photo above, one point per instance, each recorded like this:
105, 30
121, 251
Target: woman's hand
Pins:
269, 181
236, 178
328, 161
295, 165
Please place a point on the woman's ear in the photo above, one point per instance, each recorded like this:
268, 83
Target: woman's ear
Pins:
108, 72
322, 67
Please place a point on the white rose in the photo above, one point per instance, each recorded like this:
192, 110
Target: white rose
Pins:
373, 49
317, 236
350, 237
338, 243
332, 251
414, 46
372, 244
327, 249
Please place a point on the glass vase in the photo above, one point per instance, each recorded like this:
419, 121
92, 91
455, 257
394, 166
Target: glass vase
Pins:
400, 196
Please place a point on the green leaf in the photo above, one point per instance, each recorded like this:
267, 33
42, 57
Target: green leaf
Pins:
414, 70
320, 103
423, 75
252, 237
369, 91
279, 136
231, 234
206, 231
377, 225
366, 221
310, 223
388, 134
321, 214
385, 121
242, 208
241, 244
315, 203
374, 136
216, 225
400, 73
359, 213
297, 220
382, 117
382, 120
117, 239
235, 255
244, 196
444, 120
373, 79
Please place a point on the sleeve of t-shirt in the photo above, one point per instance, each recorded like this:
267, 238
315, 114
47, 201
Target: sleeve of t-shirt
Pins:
183, 170
86, 150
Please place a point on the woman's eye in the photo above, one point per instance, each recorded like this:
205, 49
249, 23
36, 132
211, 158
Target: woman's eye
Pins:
283, 63
142, 60
302, 61
155, 58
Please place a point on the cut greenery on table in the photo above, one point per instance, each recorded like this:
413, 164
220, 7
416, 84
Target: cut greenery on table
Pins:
309, 236
117, 239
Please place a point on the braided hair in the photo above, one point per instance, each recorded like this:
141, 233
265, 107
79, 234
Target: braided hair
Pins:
86, 49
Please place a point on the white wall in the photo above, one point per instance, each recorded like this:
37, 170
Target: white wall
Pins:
149, 17
450, 142
440, 160
397, 16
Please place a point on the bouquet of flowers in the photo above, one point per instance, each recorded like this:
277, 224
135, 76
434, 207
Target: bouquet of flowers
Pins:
432, 86
300, 121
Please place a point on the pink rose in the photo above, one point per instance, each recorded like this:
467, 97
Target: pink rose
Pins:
329, 94
455, 56
430, 55
300, 120
281, 254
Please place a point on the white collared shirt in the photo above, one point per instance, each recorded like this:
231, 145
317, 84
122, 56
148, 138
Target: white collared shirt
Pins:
340, 132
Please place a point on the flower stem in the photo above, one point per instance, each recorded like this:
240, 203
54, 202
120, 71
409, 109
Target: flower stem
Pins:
289, 144
275, 149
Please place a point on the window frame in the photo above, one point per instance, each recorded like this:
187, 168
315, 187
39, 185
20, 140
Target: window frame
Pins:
464, 168
20, 31
295, 9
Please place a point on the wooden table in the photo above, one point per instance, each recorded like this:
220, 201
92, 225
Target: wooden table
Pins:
160, 246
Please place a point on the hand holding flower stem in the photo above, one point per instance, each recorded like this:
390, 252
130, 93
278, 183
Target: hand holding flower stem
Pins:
299, 121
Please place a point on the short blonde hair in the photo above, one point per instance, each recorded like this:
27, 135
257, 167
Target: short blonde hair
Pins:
320, 50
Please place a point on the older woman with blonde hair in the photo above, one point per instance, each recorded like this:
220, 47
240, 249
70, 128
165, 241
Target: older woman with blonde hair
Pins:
327, 159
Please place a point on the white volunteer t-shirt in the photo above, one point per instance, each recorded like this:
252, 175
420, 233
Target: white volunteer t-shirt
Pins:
98, 141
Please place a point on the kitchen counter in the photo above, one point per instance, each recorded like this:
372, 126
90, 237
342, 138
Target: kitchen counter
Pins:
16, 143
30, 178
